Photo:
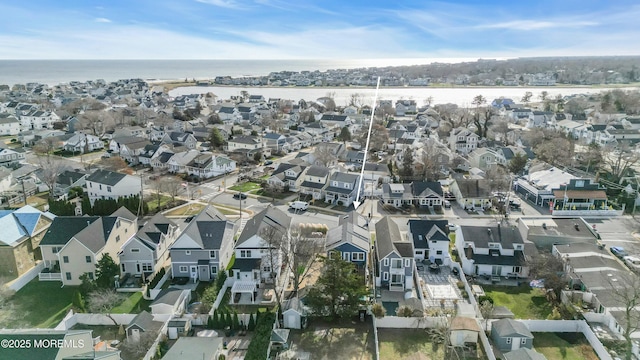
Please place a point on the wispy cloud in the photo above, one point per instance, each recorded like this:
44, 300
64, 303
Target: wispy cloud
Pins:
228, 4
102, 20
527, 25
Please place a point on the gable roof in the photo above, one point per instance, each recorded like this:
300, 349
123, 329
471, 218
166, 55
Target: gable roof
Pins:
511, 328
481, 236
124, 213
425, 188
154, 228
270, 216
63, 228
18, 224
209, 229
523, 354
351, 230
143, 320
474, 188
389, 239
424, 231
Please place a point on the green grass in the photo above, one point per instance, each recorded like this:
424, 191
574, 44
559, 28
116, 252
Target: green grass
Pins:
524, 301
343, 340
43, 303
152, 201
407, 344
132, 304
106, 332
566, 346
261, 192
186, 210
245, 187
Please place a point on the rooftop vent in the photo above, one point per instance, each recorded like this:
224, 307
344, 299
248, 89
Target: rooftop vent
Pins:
544, 226
576, 226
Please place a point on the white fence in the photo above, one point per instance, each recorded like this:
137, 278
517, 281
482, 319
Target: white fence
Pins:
72, 319
153, 293
397, 322
24, 279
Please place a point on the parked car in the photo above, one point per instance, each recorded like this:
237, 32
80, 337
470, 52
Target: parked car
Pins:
447, 204
268, 162
239, 196
618, 251
299, 205
633, 262
452, 227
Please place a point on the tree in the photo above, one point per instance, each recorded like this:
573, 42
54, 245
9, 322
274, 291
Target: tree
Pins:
356, 100
103, 301
323, 155
96, 121
486, 310
338, 290
543, 95
555, 148
345, 135
137, 349
548, 267
50, 168
626, 294
257, 157
157, 186
106, 270
500, 129
274, 238
430, 165
526, 98
301, 253
378, 139
619, 161
216, 138
478, 101
172, 186
518, 163
406, 173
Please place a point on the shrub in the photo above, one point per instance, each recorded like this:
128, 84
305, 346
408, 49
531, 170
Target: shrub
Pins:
484, 298
156, 279
260, 342
78, 301
460, 285
378, 310
404, 311
252, 323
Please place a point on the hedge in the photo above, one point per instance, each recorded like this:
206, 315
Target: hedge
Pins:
259, 345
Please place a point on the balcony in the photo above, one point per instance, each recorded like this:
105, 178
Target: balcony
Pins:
49, 276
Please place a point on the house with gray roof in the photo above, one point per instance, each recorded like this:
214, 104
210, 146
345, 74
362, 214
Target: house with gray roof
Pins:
204, 247
81, 143
315, 180
430, 239
171, 301
350, 239
257, 250
81, 341
523, 354
492, 251
73, 245
22, 232
105, 184
510, 335
393, 257
180, 139
146, 253
207, 165
342, 188
67, 180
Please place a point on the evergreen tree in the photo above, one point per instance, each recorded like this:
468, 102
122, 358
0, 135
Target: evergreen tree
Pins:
252, 323
345, 134
235, 325
86, 206
78, 301
106, 270
407, 166
227, 320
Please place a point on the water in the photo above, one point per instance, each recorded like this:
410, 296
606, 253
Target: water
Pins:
462, 96
53, 72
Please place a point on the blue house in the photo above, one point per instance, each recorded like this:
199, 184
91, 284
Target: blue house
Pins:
350, 239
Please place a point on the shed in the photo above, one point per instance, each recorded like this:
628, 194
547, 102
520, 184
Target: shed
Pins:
178, 327
139, 324
509, 334
464, 330
295, 315
280, 339
171, 301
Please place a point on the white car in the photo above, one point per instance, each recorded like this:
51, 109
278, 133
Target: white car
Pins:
633, 262
299, 205
452, 227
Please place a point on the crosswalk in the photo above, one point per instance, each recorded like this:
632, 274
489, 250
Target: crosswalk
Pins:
212, 186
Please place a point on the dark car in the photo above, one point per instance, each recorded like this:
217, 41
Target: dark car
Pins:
239, 196
618, 251
268, 162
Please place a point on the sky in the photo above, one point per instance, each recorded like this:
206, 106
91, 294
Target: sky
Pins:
316, 29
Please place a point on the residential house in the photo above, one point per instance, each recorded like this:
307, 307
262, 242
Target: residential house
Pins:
72, 246
161, 162
247, 145
207, 165
406, 107
105, 184
485, 159
81, 143
178, 162
9, 125
180, 139
11, 156
314, 182
67, 180
45, 345
204, 247
510, 335
397, 195
147, 252
472, 193
492, 251
150, 152
542, 119
579, 195
37, 119
335, 121
257, 259
22, 232
229, 114
463, 140
141, 323
350, 239
430, 240
130, 131
376, 173
289, 176
394, 257
538, 185
274, 141
129, 147
342, 188
419, 194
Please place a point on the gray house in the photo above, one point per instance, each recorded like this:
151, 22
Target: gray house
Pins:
509, 335
394, 257
197, 253
342, 188
146, 253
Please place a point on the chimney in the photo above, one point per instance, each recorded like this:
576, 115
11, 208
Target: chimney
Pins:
544, 226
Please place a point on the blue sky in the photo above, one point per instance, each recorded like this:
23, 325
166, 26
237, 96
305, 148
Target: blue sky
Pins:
315, 29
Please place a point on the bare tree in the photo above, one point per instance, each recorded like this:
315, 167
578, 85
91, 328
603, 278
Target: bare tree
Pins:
486, 310
157, 186
323, 155
103, 301
80, 106
274, 239
500, 128
619, 161
430, 165
356, 99
132, 349
45, 146
172, 186
300, 255
626, 293
96, 121
50, 169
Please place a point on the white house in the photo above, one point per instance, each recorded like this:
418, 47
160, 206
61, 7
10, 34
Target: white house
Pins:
81, 143
9, 125
105, 184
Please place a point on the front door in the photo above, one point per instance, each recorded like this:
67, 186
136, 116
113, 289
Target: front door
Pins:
194, 272
346, 256
496, 270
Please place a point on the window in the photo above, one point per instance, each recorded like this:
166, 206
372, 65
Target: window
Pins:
90, 184
523, 341
212, 254
187, 252
396, 263
147, 267
407, 262
183, 268
245, 253
385, 262
68, 275
385, 276
439, 252
100, 186
357, 256
118, 224
122, 266
214, 270
266, 268
56, 249
87, 259
117, 238
516, 269
90, 275
135, 250
508, 340
65, 259
108, 188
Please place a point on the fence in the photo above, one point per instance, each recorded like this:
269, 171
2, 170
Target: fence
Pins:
397, 322
72, 319
153, 293
25, 278
376, 341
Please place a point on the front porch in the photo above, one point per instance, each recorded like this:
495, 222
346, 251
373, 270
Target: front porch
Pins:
51, 271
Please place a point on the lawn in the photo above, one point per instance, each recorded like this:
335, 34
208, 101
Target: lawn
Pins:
525, 302
186, 210
43, 304
563, 346
344, 340
38, 200
245, 187
106, 332
277, 195
407, 344
152, 202
132, 304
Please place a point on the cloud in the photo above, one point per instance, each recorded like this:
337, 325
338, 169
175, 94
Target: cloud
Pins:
527, 25
228, 4
102, 20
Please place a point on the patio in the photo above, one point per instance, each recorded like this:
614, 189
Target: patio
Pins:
248, 293
439, 289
